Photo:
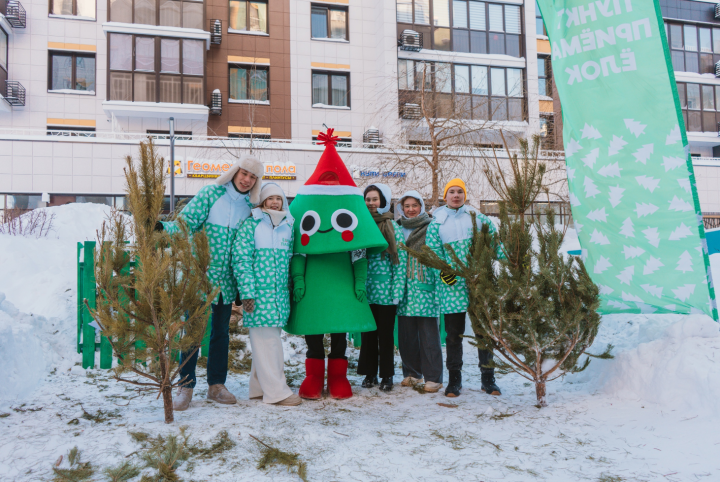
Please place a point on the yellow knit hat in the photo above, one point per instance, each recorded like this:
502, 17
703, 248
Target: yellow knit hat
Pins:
457, 182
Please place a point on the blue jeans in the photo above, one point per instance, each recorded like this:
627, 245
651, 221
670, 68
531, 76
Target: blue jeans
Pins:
217, 363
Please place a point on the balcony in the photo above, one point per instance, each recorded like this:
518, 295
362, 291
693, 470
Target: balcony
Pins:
15, 15
14, 93
215, 31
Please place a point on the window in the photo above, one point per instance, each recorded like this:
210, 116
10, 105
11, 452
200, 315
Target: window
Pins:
329, 22
700, 105
476, 91
168, 13
71, 71
156, 69
248, 83
75, 8
249, 16
254, 136
342, 141
693, 49
65, 131
330, 89
539, 24
179, 135
544, 76
3, 49
467, 25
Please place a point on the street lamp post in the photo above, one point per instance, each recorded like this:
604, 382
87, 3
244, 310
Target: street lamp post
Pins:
172, 164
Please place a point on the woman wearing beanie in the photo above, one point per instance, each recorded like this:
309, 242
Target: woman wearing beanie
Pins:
418, 331
453, 225
261, 264
385, 283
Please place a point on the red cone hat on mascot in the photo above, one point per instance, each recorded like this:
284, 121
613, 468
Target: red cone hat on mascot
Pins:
330, 177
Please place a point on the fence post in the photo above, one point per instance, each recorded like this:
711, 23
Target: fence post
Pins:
80, 304
89, 293
443, 333
205, 347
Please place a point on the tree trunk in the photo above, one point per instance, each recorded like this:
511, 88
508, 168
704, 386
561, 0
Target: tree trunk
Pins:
168, 404
540, 393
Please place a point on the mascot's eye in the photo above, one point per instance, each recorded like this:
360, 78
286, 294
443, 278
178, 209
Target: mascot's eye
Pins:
344, 220
310, 223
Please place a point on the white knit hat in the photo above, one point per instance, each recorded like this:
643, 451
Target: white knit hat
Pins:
271, 189
251, 164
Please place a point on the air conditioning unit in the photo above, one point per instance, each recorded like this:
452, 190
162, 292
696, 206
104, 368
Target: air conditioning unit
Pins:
371, 136
411, 40
216, 103
411, 111
717, 10
216, 32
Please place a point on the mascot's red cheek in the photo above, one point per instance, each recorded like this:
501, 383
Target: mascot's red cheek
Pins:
347, 236
304, 239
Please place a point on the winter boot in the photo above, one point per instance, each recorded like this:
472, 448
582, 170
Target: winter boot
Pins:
454, 384
387, 384
220, 394
337, 382
488, 383
369, 382
181, 402
312, 387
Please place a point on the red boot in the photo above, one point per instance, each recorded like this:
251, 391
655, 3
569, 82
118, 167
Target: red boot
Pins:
312, 387
338, 384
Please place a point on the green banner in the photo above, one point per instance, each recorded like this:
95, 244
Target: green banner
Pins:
630, 176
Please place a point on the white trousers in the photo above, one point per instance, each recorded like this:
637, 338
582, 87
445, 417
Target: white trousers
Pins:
267, 374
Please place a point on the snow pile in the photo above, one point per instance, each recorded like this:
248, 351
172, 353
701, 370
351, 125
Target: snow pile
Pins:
680, 370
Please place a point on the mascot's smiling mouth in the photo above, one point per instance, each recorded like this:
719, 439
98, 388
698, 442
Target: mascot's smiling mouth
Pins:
325, 231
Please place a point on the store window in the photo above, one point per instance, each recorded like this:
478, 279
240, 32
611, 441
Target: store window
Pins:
167, 13
69, 71
330, 89
139, 74
700, 106
693, 48
248, 16
329, 22
74, 8
249, 83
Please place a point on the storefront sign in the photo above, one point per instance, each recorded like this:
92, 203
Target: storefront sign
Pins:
178, 168
280, 171
205, 169
382, 174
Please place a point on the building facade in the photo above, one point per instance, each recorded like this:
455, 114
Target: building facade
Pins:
83, 81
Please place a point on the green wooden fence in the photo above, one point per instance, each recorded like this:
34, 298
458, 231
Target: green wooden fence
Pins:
87, 342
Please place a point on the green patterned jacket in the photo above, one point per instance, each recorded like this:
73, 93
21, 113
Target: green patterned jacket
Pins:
261, 264
386, 281
218, 209
453, 227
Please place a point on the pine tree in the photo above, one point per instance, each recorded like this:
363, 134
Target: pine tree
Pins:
535, 308
158, 308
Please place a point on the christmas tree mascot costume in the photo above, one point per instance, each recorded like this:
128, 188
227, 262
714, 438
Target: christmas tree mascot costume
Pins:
333, 231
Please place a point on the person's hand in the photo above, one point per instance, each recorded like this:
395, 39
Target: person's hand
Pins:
248, 305
360, 291
298, 289
447, 278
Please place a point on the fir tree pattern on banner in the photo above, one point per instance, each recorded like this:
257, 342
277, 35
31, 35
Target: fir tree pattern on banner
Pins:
632, 189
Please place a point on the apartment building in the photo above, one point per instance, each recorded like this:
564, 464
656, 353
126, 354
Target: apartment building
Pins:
83, 81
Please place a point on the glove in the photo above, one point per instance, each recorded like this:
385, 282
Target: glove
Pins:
248, 305
447, 278
360, 290
298, 288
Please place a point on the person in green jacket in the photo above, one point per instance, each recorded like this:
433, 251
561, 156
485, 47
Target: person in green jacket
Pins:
218, 208
385, 284
452, 225
261, 264
418, 329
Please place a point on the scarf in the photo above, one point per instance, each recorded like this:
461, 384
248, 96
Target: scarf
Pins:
276, 217
416, 241
385, 224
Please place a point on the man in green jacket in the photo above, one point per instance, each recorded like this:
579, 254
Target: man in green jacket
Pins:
218, 208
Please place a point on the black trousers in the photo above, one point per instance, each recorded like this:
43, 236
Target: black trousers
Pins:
338, 345
455, 327
377, 349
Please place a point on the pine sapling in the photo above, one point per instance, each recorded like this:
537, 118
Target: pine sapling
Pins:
153, 293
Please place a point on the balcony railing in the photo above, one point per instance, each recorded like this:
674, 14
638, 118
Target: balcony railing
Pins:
215, 31
14, 93
15, 14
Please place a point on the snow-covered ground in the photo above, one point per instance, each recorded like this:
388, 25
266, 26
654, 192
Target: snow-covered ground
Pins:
649, 414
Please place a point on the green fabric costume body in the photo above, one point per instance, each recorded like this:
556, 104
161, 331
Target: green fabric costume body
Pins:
386, 281
220, 210
261, 261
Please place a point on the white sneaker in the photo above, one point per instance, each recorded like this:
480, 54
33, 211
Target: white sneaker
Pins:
432, 387
411, 381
